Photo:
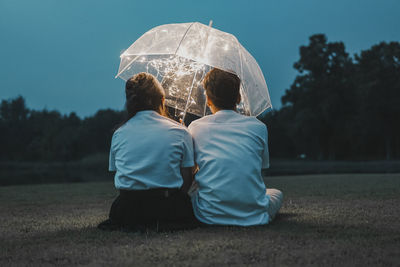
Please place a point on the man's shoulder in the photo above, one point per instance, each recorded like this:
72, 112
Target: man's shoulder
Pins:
249, 120
256, 121
251, 124
245, 121
201, 121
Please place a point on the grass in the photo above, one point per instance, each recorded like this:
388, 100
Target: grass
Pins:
339, 220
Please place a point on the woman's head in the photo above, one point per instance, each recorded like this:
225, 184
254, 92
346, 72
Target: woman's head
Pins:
222, 88
144, 92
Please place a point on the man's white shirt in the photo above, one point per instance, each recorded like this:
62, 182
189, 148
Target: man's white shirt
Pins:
230, 149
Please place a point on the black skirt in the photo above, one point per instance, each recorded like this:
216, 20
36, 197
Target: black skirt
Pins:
161, 209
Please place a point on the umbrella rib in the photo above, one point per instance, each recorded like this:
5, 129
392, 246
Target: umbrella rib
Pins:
241, 72
240, 56
184, 35
127, 66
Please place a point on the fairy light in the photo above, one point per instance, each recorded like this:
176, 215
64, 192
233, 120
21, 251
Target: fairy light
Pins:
180, 77
171, 65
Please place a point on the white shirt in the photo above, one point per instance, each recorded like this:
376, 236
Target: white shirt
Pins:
230, 149
148, 151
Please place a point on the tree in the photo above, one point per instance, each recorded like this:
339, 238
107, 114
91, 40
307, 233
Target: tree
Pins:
320, 99
50, 136
96, 131
13, 128
379, 94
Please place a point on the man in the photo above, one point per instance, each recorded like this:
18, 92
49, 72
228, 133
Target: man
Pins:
230, 150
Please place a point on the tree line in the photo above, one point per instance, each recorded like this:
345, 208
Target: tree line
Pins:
30, 135
338, 107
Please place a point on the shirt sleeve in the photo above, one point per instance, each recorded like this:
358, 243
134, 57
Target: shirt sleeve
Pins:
111, 165
265, 157
187, 153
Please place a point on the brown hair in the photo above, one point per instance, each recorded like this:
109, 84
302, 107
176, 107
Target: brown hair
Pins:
143, 92
222, 88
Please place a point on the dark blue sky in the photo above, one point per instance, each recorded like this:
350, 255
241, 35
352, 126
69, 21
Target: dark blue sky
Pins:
64, 54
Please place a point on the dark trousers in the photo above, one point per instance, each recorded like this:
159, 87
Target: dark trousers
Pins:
161, 208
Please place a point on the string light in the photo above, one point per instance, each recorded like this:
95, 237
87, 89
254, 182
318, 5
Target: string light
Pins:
181, 79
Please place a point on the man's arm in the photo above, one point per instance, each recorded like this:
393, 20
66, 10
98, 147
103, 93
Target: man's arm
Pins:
188, 177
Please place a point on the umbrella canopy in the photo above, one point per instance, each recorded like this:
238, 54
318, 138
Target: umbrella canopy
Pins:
180, 55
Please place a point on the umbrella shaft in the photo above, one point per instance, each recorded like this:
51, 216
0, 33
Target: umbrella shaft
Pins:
189, 96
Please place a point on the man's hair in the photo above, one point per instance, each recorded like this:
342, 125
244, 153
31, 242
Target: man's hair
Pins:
222, 88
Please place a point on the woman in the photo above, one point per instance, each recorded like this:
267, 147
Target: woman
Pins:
230, 150
153, 159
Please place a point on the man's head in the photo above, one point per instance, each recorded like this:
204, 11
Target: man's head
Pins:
222, 89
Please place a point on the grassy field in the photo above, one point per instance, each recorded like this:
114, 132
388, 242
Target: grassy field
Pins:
326, 220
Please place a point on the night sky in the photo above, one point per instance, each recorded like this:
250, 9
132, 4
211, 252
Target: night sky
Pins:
64, 55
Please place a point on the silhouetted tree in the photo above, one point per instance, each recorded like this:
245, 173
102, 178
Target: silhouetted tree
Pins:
47, 135
13, 127
96, 131
281, 145
320, 99
338, 108
379, 98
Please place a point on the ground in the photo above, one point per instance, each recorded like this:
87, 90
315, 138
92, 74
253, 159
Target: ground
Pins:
340, 220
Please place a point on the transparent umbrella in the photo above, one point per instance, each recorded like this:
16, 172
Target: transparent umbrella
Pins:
180, 55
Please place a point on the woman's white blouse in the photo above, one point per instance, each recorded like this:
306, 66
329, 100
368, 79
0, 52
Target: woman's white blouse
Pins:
148, 151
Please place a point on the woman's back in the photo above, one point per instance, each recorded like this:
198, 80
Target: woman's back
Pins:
148, 151
153, 159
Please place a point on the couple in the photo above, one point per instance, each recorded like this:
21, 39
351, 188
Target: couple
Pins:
217, 160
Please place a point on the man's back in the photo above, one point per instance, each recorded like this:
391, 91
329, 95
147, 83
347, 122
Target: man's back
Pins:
230, 150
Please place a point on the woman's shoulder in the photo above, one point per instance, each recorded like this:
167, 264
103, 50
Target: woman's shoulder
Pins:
170, 124
119, 130
170, 121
